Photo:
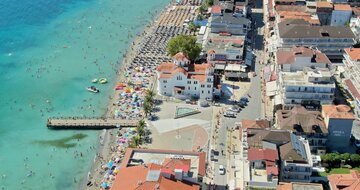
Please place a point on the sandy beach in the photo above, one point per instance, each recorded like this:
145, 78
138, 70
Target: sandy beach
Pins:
147, 51
107, 138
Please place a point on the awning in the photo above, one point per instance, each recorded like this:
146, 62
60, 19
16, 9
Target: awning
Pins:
235, 68
179, 87
277, 99
271, 88
219, 66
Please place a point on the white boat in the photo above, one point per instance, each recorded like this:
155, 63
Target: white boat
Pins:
93, 89
94, 80
102, 80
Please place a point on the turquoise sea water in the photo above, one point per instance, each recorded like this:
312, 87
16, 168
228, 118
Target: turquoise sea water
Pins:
50, 50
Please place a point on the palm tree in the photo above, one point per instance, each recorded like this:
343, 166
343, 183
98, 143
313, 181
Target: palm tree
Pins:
135, 142
147, 107
151, 94
140, 129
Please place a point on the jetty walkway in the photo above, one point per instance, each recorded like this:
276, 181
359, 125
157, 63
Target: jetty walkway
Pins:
89, 123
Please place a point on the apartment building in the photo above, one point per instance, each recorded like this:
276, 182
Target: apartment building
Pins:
296, 160
304, 123
324, 10
293, 154
230, 24
295, 59
310, 88
339, 122
351, 78
331, 40
341, 15
355, 27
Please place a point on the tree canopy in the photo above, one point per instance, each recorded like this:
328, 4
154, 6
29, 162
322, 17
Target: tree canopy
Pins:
186, 44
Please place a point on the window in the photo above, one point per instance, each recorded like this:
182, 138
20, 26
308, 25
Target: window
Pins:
188, 87
195, 82
178, 78
202, 92
209, 86
195, 88
165, 81
208, 91
189, 82
164, 86
202, 86
164, 93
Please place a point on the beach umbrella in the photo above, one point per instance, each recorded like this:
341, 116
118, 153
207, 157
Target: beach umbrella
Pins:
105, 185
110, 164
110, 172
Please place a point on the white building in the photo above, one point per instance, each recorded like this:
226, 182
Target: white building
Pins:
306, 87
295, 59
182, 79
296, 160
355, 27
341, 14
351, 79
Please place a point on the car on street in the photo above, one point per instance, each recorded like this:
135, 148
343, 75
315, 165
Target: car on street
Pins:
234, 108
242, 104
229, 114
244, 99
221, 170
188, 101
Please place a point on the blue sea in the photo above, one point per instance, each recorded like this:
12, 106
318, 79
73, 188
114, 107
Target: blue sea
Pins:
50, 50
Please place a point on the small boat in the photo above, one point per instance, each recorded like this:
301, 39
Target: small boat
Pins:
94, 80
102, 80
93, 89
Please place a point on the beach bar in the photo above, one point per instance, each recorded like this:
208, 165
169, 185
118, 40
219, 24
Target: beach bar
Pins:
89, 123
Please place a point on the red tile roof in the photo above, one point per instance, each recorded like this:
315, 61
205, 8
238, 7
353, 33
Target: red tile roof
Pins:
272, 170
324, 4
216, 9
352, 89
201, 155
338, 112
285, 56
135, 178
248, 123
262, 154
342, 7
354, 53
181, 56
345, 181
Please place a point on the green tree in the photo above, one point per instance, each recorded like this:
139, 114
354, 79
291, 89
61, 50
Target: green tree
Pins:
209, 3
186, 44
140, 129
345, 156
203, 9
192, 27
135, 142
355, 159
147, 107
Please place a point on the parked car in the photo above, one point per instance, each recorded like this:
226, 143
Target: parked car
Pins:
204, 104
229, 114
221, 170
188, 101
234, 108
244, 99
242, 104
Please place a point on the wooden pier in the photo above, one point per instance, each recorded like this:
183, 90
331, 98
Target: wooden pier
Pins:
89, 123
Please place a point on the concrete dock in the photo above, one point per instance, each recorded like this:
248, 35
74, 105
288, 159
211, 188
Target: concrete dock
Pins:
89, 123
